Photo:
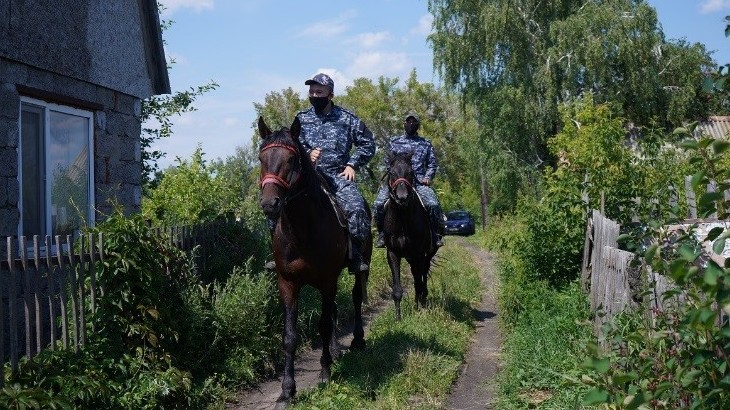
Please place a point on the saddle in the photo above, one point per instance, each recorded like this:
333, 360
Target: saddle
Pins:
329, 191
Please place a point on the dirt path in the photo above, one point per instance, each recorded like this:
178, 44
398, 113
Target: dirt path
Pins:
473, 390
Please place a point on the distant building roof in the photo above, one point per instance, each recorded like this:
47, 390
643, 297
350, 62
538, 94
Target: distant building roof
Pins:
716, 127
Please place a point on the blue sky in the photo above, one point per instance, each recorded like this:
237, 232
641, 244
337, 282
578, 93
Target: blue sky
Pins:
253, 47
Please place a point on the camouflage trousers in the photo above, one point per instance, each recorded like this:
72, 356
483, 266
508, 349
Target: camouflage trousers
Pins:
352, 202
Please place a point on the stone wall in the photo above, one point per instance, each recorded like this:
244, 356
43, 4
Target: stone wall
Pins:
117, 127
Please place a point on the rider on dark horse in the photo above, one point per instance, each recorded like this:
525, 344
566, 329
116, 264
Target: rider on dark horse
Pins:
424, 165
328, 134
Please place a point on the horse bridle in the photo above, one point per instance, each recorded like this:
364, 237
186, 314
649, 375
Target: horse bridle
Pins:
394, 184
277, 180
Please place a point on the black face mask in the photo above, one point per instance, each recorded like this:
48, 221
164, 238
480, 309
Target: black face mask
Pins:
319, 103
411, 129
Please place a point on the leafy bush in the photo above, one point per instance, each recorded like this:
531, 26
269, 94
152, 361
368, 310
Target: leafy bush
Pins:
140, 278
680, 357
248, 322
191, 193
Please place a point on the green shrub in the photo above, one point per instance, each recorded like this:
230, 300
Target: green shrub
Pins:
679, 357
248, 324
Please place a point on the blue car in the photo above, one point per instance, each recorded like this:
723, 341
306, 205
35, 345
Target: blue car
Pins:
459, 223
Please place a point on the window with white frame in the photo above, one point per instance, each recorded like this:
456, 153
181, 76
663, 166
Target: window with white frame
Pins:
55, 169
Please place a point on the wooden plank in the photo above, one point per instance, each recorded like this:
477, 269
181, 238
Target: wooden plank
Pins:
37, 294
51, 293
12, 309
74, 292
92, 279
587, 251
3, 286
63, 292
26, 272
82, 291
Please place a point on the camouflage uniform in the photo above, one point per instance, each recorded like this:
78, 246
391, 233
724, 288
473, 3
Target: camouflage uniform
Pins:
424, 166
336, 133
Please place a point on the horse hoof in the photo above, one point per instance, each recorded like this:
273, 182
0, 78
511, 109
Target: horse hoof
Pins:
357, 344
324, 375
281, 404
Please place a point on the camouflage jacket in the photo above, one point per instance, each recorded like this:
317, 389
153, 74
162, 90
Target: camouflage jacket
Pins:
336, 133
424, 158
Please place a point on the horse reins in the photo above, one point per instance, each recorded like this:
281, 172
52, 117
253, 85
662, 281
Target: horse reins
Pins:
399, 180
275, 179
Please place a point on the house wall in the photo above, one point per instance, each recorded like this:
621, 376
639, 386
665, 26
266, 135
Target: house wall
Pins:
102, 42
117, 126
101, 56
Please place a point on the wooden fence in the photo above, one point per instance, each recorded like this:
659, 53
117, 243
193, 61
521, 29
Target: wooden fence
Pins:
616, 279
48, 286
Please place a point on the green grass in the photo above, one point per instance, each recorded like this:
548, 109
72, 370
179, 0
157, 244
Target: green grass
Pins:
542, 354
411, 363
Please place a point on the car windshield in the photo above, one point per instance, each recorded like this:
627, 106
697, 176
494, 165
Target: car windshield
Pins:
457, 215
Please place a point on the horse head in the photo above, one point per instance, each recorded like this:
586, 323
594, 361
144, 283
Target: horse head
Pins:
281, 166
400, 178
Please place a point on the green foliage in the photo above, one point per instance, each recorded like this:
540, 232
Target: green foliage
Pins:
518, 62
679, 357
158, 111
192, 193
247, 318
140, 278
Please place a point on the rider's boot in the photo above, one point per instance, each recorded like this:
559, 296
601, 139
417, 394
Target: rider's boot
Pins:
271, 265
357, 262
378, 216
380, 241
437, 227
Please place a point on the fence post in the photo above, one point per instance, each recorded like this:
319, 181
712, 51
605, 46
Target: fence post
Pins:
12, 308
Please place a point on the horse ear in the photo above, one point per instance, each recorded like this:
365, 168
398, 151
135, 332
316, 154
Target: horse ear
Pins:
264, 130
409, 156
296, 128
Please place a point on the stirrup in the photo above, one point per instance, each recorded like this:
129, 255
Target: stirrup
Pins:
270, 266
380, 242
439, 242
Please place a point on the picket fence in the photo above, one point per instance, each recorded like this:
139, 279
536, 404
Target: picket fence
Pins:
48, 286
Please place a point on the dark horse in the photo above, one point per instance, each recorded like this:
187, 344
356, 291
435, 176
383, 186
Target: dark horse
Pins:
309, 243
407, 230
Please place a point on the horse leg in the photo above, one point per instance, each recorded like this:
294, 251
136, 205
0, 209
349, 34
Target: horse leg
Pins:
288, 294
334, 346
326, 333
419, 282
359, 292
397, 292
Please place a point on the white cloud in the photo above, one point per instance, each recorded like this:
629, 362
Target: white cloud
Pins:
197, 5
375, 64
424, 26
230, 121
711, 6
329, 28
371, 40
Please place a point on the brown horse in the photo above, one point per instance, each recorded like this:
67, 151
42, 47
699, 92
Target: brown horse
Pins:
309, 244
407, 230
